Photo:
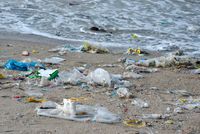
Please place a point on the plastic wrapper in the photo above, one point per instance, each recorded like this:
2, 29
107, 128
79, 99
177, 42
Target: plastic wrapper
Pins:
83, 113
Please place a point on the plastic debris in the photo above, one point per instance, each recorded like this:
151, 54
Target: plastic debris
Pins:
74, 77
53, 60
34, 100
78, 112
139, 69
196, 71
123, 92
100, 76
168, 61
169, 122
178, 110
133, 51
66, 48
152, 116
134, 123
44, 82
21, 66
178, 92
131, 75
50, 74
93, 49
140, 103
188, 104
2, 76
25, 53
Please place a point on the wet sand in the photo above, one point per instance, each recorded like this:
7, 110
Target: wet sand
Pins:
20, 117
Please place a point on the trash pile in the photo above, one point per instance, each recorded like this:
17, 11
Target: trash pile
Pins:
39, 74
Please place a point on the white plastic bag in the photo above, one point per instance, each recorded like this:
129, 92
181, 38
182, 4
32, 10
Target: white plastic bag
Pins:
101, 77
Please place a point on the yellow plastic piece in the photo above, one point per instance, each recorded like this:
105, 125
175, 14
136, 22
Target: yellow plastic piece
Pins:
2, 76
134, 123
35, 100
78, 99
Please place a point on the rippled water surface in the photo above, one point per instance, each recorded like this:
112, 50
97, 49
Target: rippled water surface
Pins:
160, 24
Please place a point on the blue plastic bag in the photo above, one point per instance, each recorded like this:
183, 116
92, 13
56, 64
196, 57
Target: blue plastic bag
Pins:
17, 65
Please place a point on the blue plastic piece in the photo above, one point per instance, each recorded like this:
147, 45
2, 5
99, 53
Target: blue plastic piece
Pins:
17, 65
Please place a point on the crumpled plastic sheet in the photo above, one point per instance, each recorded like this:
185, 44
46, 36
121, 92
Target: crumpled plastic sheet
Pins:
94, 114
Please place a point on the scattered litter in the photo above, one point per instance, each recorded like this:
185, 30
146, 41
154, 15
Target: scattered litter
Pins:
53, 60
2, 76
50, 74
140, 103
78, 112
131, 75
124, 93
168, 61
34, 100
178, 110
135, 123
152, 116
93, 49
34, 51
133, 51
139, 69
110, 65
169, 122
178, 92
21, 66
100, 76
74, 77
25, 53
196, 71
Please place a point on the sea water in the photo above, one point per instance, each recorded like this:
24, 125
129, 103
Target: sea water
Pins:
163, 25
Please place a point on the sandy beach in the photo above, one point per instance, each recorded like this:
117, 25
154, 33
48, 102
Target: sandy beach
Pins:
19, 117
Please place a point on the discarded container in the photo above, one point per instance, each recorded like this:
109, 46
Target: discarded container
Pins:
100, 76
50, 74
140, 103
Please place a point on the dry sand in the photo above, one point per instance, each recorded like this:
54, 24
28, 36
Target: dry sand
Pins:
18, 117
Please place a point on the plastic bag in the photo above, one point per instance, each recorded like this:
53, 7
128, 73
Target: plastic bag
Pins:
101, 77
82, 113
17, 65
73, 77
